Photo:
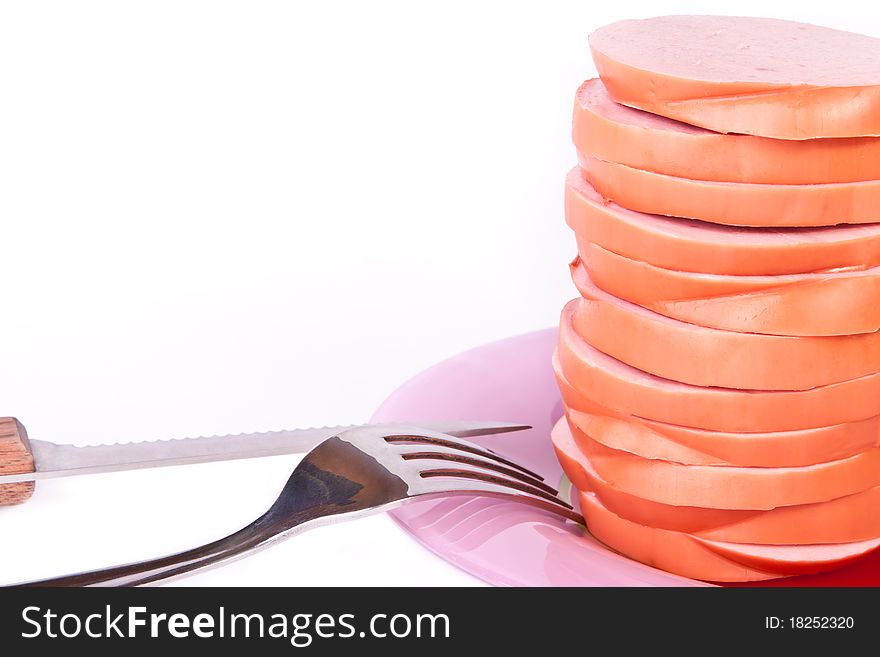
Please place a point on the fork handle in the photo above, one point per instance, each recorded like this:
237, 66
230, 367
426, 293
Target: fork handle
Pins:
314, 498
15, 458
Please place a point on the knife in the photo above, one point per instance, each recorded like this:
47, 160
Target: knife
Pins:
22, 461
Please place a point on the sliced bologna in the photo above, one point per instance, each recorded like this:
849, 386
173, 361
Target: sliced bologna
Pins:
659, 440
843, 520
637, 438
645, 439
613, 132
583, 477
697, 246
829, 304
731, 203
722, 487
703, 356
673, 552
758, 76
623, 388
689, 556
796, 559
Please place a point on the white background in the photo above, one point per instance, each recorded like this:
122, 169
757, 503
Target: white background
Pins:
237, 216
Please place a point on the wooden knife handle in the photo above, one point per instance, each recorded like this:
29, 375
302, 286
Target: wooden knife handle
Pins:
15, 458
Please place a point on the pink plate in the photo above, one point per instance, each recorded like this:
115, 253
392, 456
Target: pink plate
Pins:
511, 544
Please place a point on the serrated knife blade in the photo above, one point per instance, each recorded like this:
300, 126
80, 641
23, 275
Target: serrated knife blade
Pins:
53, 460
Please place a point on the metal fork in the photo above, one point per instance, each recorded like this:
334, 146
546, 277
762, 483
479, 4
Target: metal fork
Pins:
356, 473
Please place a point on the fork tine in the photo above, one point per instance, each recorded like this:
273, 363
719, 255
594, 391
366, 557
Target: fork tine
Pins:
460, 444
463, 471
474, 483
454, 456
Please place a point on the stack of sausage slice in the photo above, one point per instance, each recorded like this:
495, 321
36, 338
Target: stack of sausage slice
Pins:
720, 371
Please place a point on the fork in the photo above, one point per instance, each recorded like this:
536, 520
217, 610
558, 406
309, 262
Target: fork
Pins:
358, 472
